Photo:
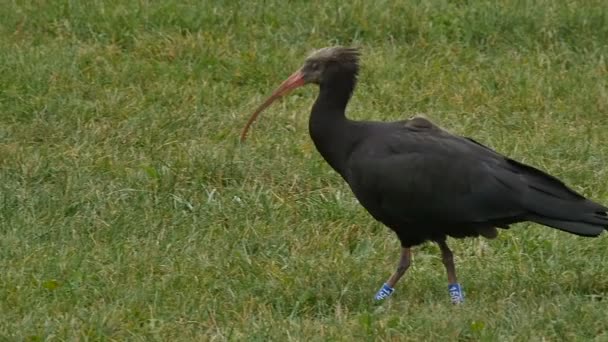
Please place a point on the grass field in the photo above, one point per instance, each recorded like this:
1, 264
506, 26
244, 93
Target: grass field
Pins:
129, 210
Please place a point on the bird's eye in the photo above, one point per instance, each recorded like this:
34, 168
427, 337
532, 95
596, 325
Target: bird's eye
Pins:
314, 66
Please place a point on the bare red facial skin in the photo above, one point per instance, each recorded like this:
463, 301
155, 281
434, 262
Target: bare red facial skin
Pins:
294, 81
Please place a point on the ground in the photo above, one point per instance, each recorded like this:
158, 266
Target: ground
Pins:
129, 209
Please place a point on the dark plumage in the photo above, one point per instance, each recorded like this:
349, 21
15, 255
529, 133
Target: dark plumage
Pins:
423, 182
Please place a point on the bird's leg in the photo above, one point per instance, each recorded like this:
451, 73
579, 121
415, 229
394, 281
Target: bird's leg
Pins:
448, 260
404, 263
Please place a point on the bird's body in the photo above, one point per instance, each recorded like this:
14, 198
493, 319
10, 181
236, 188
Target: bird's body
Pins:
425, 183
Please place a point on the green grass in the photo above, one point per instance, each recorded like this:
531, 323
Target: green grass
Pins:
128, 209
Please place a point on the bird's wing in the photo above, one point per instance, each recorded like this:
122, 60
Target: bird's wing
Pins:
413, 171
419, 172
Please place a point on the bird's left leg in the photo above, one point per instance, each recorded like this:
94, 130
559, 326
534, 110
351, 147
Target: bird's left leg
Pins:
454, 288
404, 263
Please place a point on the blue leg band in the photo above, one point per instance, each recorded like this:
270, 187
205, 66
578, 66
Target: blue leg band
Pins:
384, 292
456, 294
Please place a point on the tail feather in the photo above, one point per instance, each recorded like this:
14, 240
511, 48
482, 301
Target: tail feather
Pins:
573, 215
547, 200
550, 202
578, 228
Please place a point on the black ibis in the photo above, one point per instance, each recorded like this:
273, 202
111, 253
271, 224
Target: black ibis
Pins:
424, 183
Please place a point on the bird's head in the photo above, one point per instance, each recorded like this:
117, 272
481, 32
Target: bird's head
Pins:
319, 67
325, 63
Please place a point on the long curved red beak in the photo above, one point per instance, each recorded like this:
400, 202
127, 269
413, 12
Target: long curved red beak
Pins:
294, 81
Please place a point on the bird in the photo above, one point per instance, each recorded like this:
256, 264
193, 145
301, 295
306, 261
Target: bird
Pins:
423, 182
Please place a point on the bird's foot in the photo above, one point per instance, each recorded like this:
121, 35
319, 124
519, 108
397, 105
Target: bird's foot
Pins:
384, 292
456, 293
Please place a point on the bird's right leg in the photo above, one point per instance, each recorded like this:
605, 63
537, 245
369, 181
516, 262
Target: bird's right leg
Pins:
404, 263
454, 287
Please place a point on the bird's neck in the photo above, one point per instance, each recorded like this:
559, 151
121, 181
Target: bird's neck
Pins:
329, 128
